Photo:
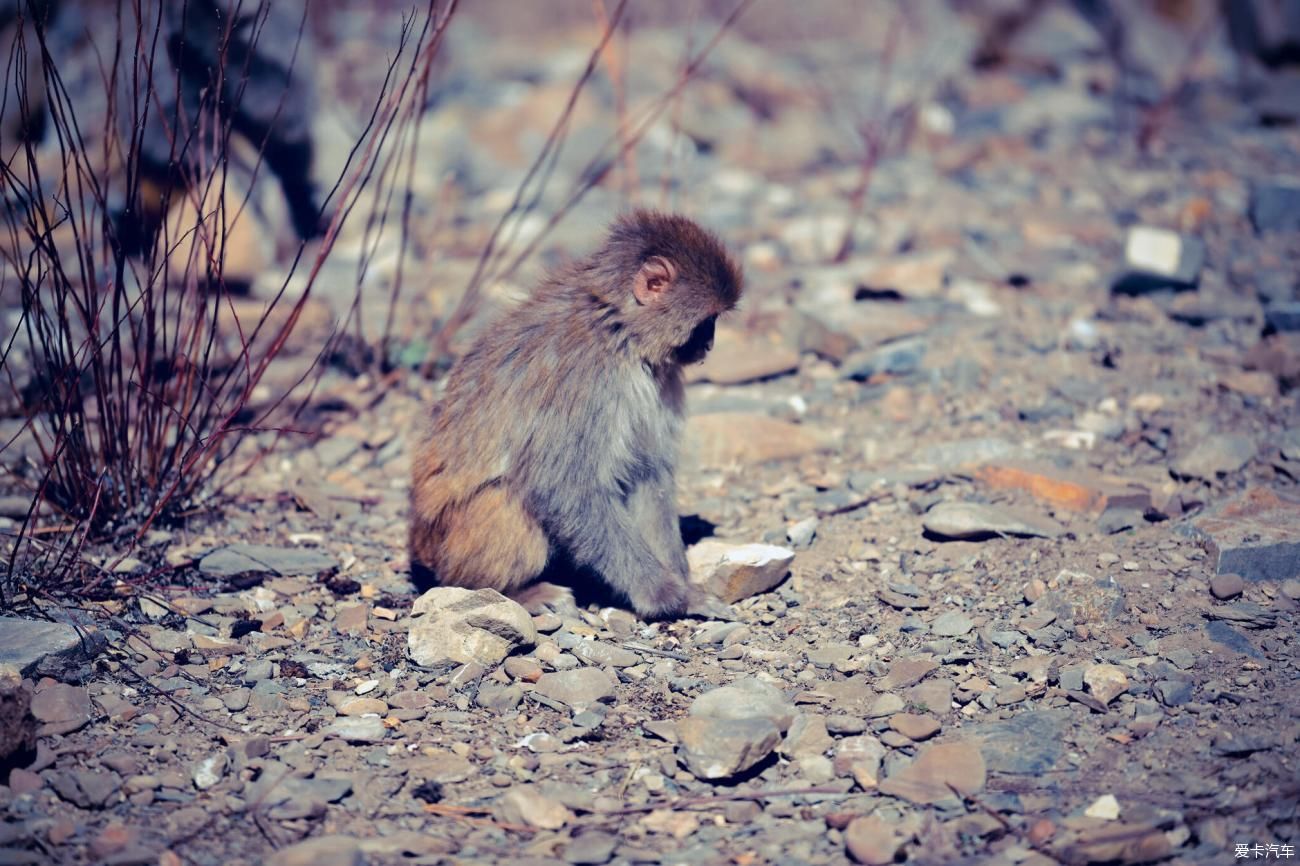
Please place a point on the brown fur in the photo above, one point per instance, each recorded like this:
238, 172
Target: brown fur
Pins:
559, 427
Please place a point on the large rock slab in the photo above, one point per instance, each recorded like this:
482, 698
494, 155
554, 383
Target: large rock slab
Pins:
937, 770
733, 728
1255, 535
321, 851
738, 358
1027, 744
578, 688
749, 698
873, 841
29, 645
1216, 456
467, 625
264, 559
728, 439
60, 708
736, 571
714, 748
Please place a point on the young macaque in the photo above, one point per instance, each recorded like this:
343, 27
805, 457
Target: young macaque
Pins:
559, 430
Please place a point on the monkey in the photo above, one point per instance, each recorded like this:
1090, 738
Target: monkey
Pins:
558, 433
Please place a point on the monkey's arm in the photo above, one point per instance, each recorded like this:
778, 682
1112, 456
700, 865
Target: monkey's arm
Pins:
654, 508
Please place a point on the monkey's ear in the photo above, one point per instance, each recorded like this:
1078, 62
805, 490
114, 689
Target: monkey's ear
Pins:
653, 278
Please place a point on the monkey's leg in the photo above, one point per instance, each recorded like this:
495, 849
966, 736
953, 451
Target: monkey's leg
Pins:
489, 541
654, 508
269, 88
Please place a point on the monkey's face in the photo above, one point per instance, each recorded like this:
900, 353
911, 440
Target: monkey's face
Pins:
681, 280
698, 344
683, 303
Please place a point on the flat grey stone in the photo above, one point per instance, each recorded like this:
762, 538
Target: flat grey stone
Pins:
322, 851
1030, 743
896, 359
954, 623
1275, 205
263, 558
714, 748
971, 521
591, 849
29, 645
748, 698
579, 688
1283, 317
1222, 633
1215, 456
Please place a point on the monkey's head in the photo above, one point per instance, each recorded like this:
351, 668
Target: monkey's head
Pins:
674, 279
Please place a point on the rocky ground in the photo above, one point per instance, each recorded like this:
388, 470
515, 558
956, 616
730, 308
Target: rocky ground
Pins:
1007, 502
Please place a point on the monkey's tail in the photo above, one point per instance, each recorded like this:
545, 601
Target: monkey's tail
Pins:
535, 595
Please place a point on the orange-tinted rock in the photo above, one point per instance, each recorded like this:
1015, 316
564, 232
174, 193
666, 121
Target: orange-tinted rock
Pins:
1071, 490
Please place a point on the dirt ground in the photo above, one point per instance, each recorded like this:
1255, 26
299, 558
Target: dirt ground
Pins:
1033, 445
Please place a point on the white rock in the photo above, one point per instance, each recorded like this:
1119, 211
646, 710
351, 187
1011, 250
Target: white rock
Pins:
1105, 807
465, 625
736, 571
974, 520
525, 804
209, 771
1153, 249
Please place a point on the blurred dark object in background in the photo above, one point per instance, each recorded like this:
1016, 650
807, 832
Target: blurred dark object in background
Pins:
22, 100
245, 64
1266, 30
1263, 32
192, 70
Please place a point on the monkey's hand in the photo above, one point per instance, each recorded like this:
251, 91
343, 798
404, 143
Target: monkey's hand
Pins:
705, 605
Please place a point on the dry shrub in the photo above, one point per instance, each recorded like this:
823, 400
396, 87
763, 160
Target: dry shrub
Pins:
128, 380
